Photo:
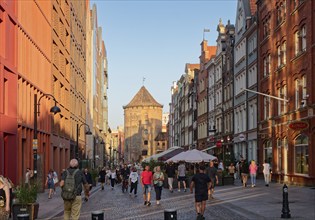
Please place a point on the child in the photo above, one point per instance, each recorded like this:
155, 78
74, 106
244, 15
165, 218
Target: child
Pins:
133, 181
113, 178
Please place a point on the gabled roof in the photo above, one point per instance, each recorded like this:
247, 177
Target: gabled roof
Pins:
162, 136
143, 98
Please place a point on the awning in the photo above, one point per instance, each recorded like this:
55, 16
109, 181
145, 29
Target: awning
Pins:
209, 148
156, 156
170, 154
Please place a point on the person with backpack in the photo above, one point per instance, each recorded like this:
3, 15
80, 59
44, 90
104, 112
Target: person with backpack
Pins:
50, 183
71, 187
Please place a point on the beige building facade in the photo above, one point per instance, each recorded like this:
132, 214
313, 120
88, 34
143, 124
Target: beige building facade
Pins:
142, 124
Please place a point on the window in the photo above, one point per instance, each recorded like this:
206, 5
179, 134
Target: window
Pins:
300, 40
266, 27
301, 154
297, 93
304, 92
281, 54
303, 38
279, 155
281, 12
267, 66
266, 108
282, 105
268, 152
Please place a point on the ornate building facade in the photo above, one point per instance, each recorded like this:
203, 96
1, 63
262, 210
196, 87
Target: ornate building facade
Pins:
286, 70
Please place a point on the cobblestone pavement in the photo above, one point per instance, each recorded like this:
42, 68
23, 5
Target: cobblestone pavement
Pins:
231, 202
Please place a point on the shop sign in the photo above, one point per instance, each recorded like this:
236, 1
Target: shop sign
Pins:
219, 144
241, 137
298, 125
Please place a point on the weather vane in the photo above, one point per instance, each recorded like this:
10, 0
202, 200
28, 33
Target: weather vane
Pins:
143, 79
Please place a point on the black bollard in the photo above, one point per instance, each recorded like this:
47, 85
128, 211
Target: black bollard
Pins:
98, 215
23, 216
170, 214
285, 203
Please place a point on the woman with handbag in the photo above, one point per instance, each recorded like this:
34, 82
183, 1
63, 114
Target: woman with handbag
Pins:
158, 179
4, 199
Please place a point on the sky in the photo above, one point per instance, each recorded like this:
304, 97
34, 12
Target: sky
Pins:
154, 40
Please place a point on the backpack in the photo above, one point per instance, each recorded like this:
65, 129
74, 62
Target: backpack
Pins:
69, 191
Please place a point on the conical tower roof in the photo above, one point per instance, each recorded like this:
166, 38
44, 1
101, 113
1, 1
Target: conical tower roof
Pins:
143, 98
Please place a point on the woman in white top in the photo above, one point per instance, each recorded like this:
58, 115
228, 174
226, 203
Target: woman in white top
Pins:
266, 172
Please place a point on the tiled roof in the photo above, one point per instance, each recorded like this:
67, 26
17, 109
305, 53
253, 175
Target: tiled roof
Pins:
143, 98
162, 136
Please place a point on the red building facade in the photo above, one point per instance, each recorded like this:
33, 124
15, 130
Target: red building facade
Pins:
286, 67
8, 89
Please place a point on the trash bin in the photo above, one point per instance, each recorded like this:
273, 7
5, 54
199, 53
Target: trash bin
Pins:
170, 214
97, 215
23, 216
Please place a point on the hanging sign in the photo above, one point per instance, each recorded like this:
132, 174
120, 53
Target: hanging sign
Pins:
298, 125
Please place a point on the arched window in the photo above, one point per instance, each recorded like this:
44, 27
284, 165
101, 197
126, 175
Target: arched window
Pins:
301, 154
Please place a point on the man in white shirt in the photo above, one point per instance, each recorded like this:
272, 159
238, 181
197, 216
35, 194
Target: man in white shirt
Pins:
266, 172
133, 181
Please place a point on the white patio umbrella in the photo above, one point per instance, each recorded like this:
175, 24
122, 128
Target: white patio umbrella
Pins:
192, 156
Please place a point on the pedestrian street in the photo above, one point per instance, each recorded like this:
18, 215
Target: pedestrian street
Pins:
230, 202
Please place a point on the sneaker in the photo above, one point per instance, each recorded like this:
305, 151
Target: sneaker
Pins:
130, 194
148, 203
171, 191
178, 190
252, 186
102, 187
158, 202
145, 203
136, 195
184, 190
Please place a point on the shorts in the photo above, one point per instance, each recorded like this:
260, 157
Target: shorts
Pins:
213, 183
201, 197
181, 178
147, 188
51, 185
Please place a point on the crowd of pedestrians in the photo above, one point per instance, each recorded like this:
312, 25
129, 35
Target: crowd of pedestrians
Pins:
203, 182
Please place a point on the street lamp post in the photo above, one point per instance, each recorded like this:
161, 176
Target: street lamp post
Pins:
114, 156
110, 156
78, 134
55, 109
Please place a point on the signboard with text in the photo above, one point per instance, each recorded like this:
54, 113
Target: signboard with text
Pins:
298, 125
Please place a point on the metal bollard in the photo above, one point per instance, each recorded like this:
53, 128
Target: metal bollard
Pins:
97, 215
285, 203
170, 214
23, 216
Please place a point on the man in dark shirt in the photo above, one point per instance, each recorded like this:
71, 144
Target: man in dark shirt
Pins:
202, 183
72, 207
211, 171
124, 172
170, 171
88, 178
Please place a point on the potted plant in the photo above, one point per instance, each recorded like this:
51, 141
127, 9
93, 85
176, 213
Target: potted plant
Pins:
227, 179
25, 201
94, 175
